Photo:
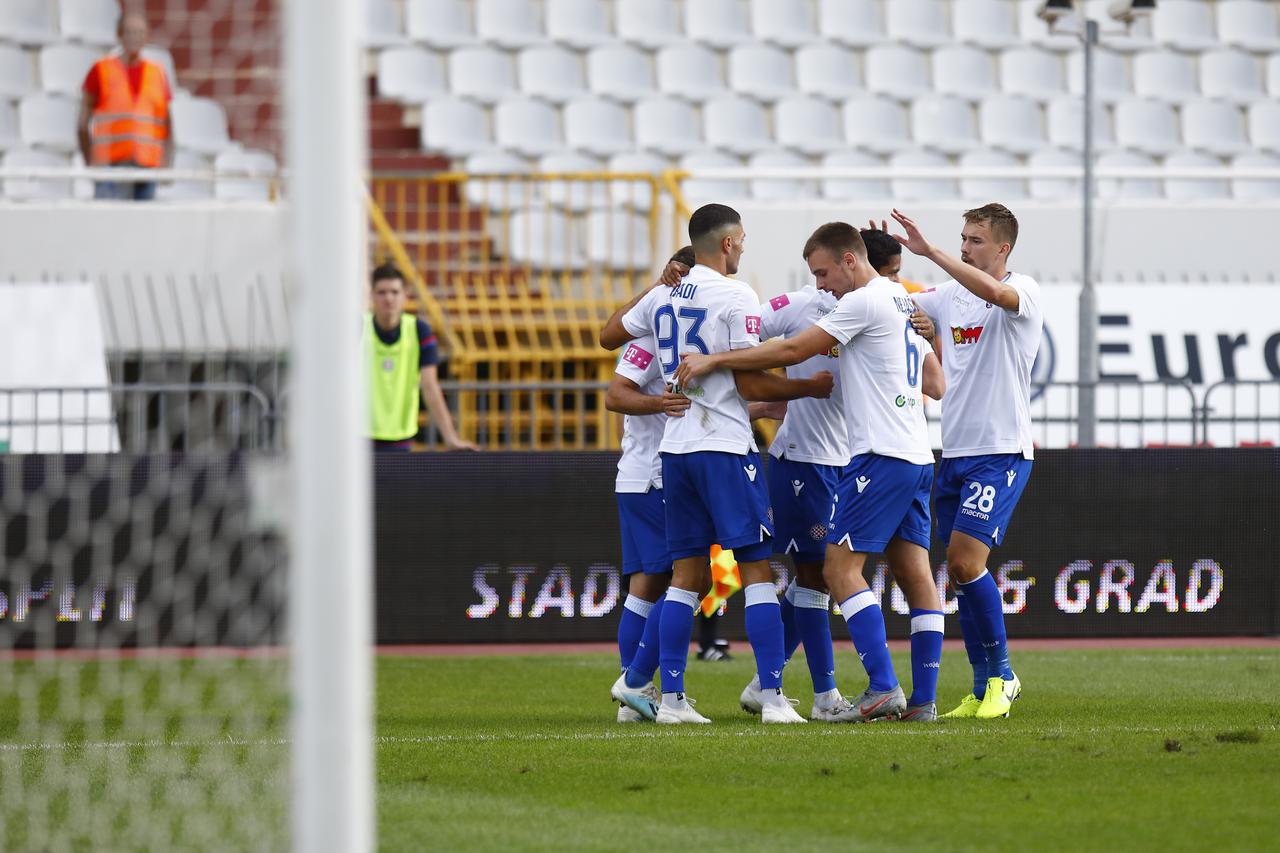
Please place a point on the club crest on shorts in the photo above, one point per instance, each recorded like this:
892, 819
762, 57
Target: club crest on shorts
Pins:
818, 532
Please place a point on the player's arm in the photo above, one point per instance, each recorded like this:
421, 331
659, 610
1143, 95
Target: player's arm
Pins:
778, 352
923, 324
772, 411
765, 387
430, 383
933, 383
614, 334
980, 284
625, 397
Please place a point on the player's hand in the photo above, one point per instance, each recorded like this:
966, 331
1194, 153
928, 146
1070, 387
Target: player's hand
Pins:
922, 324
914, 241
672, 273
693, 365
459, 444
871, 226
822, 383
674, 404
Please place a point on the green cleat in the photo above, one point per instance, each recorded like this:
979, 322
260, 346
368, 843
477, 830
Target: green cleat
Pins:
999, 698
966, 710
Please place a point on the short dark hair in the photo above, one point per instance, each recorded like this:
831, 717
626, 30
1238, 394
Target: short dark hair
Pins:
385, 272
709, 219
997, 217
685, 256
881, 248
836, 238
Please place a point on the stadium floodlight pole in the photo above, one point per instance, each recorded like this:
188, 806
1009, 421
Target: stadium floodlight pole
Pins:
1087, 339
330, 612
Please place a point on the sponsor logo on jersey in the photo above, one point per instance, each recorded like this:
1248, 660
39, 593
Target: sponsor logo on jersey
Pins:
753, 325
966, 336
637, 356
908, 402
777, 303
834, 352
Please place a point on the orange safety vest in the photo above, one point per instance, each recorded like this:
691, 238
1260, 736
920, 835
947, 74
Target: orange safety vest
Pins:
129, 127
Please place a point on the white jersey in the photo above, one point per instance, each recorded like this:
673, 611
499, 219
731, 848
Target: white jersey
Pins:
881, 365
705, 313
987, 353
814, 430
640, 466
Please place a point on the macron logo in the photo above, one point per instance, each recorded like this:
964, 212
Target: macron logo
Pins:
674, 673
862, 483
796, 486
638, 357
777, 303
753, 325
751, 472
1011, 475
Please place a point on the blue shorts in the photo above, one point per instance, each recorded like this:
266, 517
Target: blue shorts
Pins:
642, 518
976, 495
716, 498
800, 493
880, 498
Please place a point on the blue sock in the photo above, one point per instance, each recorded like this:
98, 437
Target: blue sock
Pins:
645, 663
926, 655
790, 630
972, 642
764, 630
813, 623
866, 629
673, 637
635, 613
988, 614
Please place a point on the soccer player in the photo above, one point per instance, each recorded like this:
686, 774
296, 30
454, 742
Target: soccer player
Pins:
713, 483
881, 503
991, 322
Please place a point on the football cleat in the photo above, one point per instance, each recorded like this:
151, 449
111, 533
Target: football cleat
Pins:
628, 715
967, 709
839, 711
638, 699
1001, 694
781, 712
926, 713
752, 698
681, 712
877, 705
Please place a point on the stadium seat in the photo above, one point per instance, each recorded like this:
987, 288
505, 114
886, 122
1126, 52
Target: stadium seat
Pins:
597, 126
92, 22
921, 189
702, 190
455, 127
1165, 75
35, 189
482, 73
652, 24
1214, 126
1064, 121
980, 190
736, 125
788, 189
578, 195
965, 72
618, 241
788, 23
984, 23
410, 74
1184, 25
1031, 72
620, 71
1131, 188
545, 239
580, 24
1054, 189
875, 124
1147, 126
1035, 31
898, 72
1248, 189
808, 125
382, 24
635, 194
440, 23
828, 71
689, 71
718, 23
189, 190
1264, 125
1194, 190
1011, 124
17, 77
943, 123
1110, 76
49, 122
1248, 24
550, 72
258, 163
28, 22
501, 194
63, 68
844, 189
200, 125
9, 135
1273, 75
918, 23
1231, 74
529, 127
512, 24
855, 23
668, 126
1132, 37
761, 72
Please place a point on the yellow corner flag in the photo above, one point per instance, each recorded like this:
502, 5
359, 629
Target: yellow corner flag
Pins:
725, 580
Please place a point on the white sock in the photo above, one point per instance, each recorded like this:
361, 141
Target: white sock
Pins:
673, 700
775, 698
826, 699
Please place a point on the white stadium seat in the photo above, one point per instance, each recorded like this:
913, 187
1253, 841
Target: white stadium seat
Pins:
1185, 189
190, 190
580, 24
919, 23
943, 124
620, 71
1133, 188
828, 71
1165, 75
256, 163
1214, 126
63, 68
200, 125
597, 126
1110, 76
1031, 72
787, 189
789, 23
410, 74
382, 24
1231, 74
28, 22
1064, 122
966, 72
736, 125
762, 72
808, 125
1147, 126
1184, 24
9, 134
1054, 189
875, 124
17, 75
635, 194
719, 23
455, 127
1248, 24
550, 72
1264, 125
1249, 189
1036, 31
545, 239
985, 23
1011, 124
92, 22
1273, 75
512, 24
856, 23
701, 190
980, 190
667, 126
49, 122
844, 189
528, 127
921, 189
440, 23
898, 72
482, 73
652, 24
573, 195
618, 241
690, 71
35, 189
510, 195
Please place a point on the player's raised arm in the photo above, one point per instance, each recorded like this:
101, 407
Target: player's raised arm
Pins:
779, 352
766, 387
978, 282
